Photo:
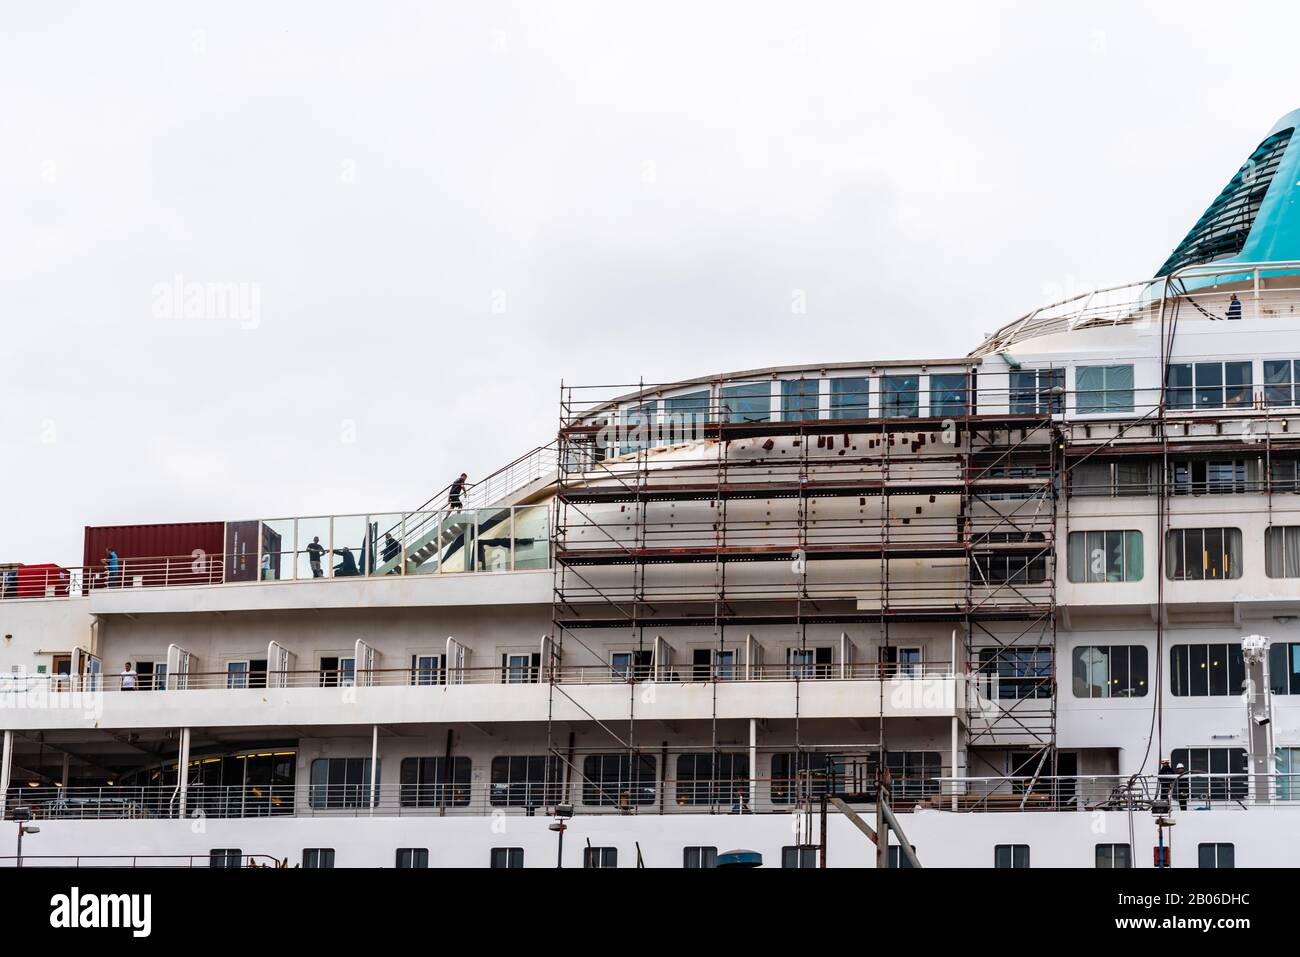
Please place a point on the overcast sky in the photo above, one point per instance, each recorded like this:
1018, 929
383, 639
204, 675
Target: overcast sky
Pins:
436, 212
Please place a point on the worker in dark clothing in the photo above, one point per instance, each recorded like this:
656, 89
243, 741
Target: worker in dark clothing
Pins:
1234, 307
314, 552
392, 547
456, 491
1166, 778
1181, 786
347, 565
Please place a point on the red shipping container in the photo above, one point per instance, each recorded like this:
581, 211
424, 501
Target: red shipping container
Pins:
182, 553
38, 581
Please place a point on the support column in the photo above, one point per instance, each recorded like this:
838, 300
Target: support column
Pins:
952, 773
6, 765
374, 764
67, 764
183, 771
753, 763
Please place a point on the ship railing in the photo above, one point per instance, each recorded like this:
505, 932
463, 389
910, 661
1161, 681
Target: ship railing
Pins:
1153, 793
642, 791
522, 672
215, 859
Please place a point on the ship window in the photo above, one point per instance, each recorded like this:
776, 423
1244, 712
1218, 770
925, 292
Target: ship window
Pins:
1284, 667
1209, 385
1111, 478
1009, 567
900, 396
896, 858
692, 403
1217, 670
1110, 671
520, 669
1105, 556
632, 665
1103, 389
1286, 764
1114, 855
850, 397
1221, 231
428, 669
619, 780
341, 782
709, 779
1202, 554
799, 399
1216, 855
751, 402
525, 780
808, 663
426, 783
1016, 673
699, 857
1282, 382
913, 774
1217, 774
506, 857
412, 857
1209, 476
1282, 551
802, 855
948, 394
237, 674
337, 672
1037, 391
318, 857
1011, 855
225, 857
600, 857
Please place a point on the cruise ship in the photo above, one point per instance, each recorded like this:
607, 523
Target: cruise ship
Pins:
1037, 605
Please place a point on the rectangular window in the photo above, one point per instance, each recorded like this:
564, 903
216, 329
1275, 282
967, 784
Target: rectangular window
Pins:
619, 780
631, 665
806, 775
751, 402
809, 663
913, 774
1013, 673
1286, 767
428, 669
1282, 382
600, 857
1102, 389
851, 397
1111, 478
799, 399
237, 674
1282, 551
900, 396
1023, 560
504, 857
225, 857
896, 858
699, 857
948, 394
1202, 554
337, 672
318, 857
683, 413
801, 855
1110, 671
713, 780
1114, 855
1209, 385
341, 782
1217, 774
525, 780
1209, 477
1216, 855
1215, 670
413, 857
1011, 855
427, 783
1284, 667
1037, 392
1105, 556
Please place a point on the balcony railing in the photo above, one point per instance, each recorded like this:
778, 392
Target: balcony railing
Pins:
521, 674
648, 794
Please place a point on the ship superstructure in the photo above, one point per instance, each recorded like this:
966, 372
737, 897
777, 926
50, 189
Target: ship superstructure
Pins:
993, 591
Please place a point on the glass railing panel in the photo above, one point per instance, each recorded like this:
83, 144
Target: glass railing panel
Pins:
457, 546
532, 537
384, 543
420, 533
277, 545
313, 548
348, 550
494, 541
